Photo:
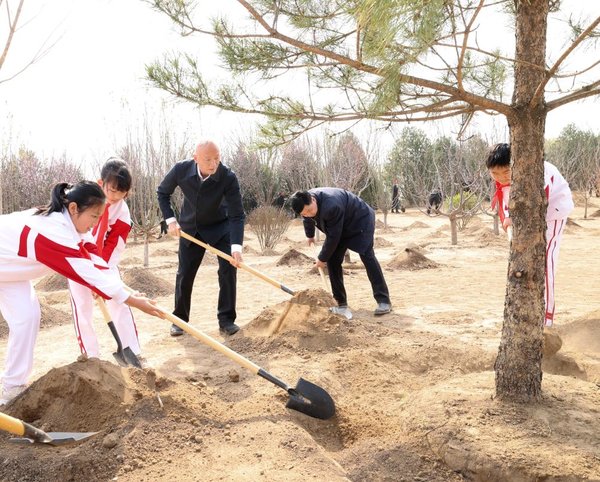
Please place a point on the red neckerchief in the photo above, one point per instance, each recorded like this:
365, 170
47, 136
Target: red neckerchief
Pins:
498, 200
101, 229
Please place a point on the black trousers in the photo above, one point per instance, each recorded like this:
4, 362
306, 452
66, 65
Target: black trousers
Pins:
190, 257
374, 273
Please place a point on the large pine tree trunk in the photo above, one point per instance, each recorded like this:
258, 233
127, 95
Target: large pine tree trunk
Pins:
518, 365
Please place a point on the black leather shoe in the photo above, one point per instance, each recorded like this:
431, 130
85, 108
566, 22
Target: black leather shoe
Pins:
176, 331
229, 329
382, 309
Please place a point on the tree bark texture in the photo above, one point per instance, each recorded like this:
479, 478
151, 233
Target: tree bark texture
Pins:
518, 365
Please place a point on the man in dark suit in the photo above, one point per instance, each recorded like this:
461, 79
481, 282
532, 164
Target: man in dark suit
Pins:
212, 212
348, 223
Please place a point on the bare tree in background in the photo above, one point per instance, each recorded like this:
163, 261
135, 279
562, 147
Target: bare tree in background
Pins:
26, 180
11, 16
299, 166
343, 163
381, 191
150, 153
269, 223
256, 169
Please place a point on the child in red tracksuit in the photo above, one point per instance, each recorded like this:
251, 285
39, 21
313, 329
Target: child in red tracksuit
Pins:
36, 242
110, 236
560, 205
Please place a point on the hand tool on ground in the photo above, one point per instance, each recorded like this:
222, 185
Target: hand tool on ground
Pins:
305, 397
243, 266
124, 356
29, 434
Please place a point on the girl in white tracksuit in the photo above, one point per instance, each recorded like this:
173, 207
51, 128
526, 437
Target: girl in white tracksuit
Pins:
37, 241
560, 205
110, 235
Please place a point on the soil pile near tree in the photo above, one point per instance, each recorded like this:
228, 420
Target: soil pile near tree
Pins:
145, 281
294, 257
50, 316
411, 259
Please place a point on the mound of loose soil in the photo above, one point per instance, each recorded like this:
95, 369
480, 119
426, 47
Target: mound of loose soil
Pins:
411, 260
131, 260
145, 281
551, 343
382, 242
55, 297
472, 226
53, 282
474, 434
306, 312
49, 317
441, 232
135, 431
487, 237
583, 334
294, 258
417, 225
248, 250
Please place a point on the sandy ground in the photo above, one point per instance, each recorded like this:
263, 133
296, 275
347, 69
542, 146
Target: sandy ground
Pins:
413, 389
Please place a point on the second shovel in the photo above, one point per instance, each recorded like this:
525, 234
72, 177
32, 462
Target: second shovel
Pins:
124, 356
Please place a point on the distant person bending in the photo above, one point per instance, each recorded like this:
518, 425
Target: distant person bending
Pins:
212, 212
560, 205
348, 223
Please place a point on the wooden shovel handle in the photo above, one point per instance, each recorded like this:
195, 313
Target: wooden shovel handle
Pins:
229, 258
11, 424
102, 305
207, 340
211, 342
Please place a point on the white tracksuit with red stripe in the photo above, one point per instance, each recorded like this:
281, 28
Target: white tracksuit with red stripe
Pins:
30, 247
560, 205
110, 249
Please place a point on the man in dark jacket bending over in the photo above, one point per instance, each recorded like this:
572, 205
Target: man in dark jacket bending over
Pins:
212, 212
349, 223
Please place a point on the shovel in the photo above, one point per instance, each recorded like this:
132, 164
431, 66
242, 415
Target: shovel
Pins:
243, 266
124, 356
30, 434
305, 397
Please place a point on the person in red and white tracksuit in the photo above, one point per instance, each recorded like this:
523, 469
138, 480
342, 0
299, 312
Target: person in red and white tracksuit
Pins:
560, 205
32, 244
110, 236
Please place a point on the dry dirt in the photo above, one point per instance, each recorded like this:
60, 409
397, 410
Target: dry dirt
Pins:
414, 390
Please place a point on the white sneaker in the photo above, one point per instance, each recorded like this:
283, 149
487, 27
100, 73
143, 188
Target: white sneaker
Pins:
341, 310
9, 394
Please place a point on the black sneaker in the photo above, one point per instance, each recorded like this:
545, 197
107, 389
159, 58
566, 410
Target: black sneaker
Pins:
229, 329
176, 331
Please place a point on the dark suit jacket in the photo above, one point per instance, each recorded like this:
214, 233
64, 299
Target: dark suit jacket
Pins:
344, 218
210, 208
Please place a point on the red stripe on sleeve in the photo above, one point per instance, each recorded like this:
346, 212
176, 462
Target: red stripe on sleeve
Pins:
23, 242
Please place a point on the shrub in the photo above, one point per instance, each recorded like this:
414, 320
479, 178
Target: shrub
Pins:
269, 223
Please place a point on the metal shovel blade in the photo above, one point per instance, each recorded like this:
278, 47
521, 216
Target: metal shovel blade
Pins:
131, 358
120, 358
311, 400
55, 438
